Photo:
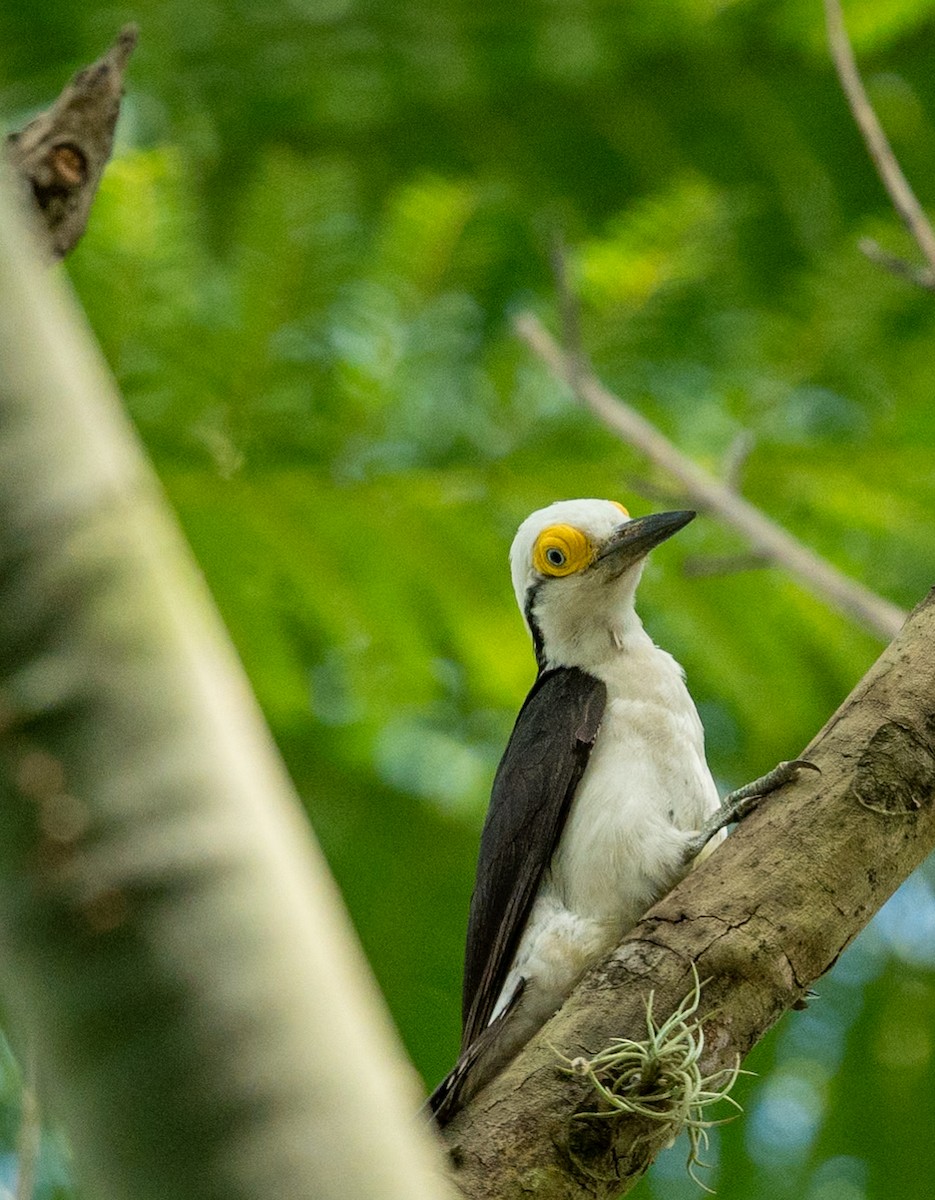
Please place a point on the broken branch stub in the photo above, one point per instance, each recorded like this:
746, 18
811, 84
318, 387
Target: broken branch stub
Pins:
62, 153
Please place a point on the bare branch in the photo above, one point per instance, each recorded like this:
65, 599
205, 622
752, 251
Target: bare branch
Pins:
61, 154
881, 152
922, 277
736, 457
766, 538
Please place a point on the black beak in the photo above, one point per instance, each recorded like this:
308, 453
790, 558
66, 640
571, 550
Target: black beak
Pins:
634, 540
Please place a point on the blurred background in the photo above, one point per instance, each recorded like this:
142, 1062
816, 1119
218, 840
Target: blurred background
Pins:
303, 265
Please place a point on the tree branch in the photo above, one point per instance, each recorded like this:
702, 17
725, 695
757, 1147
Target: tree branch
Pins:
766, 538
62, 153
922, 277
171, 943
888, 168
763, 917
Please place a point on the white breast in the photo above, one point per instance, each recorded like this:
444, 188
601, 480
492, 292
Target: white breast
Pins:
645, 790
646, 786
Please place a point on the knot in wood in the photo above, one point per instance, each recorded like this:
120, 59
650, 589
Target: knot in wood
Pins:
896, 772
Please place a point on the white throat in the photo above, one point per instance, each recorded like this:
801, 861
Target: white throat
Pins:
584, 620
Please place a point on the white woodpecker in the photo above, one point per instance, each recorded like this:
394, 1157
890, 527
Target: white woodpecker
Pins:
603, 797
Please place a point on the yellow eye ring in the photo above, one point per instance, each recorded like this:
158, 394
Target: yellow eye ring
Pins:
561, 550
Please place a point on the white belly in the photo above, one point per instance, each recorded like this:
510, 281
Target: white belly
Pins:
645, 790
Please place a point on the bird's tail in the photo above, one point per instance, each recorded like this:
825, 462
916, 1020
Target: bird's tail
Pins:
473, 1070
447, 1100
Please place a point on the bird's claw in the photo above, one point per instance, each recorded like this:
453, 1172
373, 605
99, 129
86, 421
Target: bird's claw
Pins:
746, 798
740, 803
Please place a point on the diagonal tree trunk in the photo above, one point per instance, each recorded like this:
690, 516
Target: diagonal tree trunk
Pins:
763, 917
170, 942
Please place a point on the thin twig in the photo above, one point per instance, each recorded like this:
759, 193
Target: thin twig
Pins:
736, 457
876, 141
568, 307
764, 535
922, 277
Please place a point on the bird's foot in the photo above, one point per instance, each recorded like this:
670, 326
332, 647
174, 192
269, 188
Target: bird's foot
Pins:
745, 799
737, 805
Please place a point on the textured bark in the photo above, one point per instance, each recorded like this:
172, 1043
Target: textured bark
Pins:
763, 917
61, 154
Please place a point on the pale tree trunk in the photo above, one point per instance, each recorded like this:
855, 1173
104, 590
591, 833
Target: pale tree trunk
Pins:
763, 918
171, 944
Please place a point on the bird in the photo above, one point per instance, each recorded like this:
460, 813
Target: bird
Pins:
603, 797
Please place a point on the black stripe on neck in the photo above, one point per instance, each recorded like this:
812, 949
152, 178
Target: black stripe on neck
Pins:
538, 641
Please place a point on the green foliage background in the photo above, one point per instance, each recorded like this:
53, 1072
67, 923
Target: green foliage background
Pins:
302, 267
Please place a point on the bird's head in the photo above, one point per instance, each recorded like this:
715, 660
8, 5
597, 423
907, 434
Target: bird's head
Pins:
575, 568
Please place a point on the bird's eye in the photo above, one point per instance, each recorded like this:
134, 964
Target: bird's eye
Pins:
562, 550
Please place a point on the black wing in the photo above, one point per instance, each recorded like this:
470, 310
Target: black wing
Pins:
532, 790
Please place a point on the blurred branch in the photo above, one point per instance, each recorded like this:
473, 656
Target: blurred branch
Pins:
922, 277
888, 168
569, 310
29, 1135
171, 942
766, 538
736, 457
62, 153
763, 917
696, 567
